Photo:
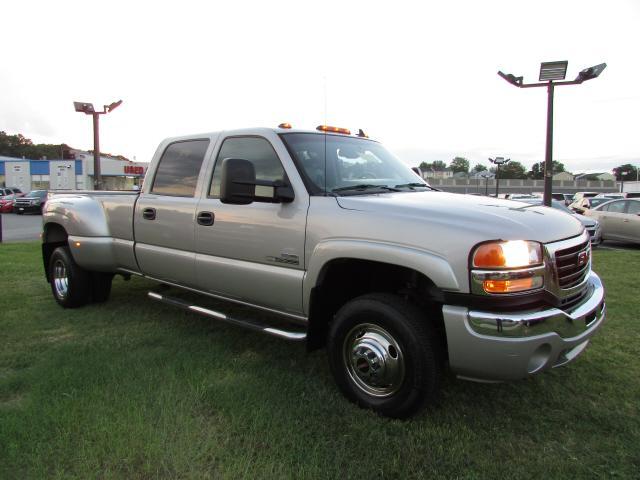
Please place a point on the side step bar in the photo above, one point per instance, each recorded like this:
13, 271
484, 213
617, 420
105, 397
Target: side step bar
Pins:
250, 324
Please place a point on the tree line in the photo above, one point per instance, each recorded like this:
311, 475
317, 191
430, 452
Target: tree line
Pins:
515, 170
20, 146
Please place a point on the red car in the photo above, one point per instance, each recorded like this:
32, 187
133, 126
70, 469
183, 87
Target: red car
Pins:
6, 203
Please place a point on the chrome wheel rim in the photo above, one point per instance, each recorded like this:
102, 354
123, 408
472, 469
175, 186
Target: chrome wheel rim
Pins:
60, 279
373, 360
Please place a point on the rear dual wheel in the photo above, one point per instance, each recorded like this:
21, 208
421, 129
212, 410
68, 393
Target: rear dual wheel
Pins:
385, 354
71, 285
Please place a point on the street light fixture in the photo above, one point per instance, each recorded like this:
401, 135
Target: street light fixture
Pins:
486, 177
622, 175
498, 161
551, 74
87, 108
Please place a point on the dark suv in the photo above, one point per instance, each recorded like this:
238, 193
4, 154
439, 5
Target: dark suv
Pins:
34, 201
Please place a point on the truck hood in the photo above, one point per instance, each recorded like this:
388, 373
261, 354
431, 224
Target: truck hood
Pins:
481, 217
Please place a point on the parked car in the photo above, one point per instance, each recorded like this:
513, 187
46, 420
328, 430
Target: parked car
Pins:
588, 203
560, 197
4, 191
590, 224
619, 219
578, 196
619, 195
333, 234
6, 203
34, 201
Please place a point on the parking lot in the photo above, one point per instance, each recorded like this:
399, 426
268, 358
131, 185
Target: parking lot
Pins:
20, 227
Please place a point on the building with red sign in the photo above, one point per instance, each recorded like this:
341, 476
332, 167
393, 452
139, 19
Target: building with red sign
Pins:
70, 174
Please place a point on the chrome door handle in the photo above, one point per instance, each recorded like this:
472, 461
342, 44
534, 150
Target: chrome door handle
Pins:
205, 218
149, 213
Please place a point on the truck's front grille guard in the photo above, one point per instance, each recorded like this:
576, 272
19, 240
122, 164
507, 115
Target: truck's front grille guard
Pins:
564, 278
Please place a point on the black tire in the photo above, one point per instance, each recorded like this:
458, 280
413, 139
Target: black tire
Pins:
101, 286
70, 284
361, 327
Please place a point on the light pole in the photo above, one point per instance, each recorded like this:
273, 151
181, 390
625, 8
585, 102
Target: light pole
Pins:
550, 73
498, 161
87, 108
622, 175
486, 177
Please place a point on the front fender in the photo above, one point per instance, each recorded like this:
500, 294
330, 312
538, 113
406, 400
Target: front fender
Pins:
429, 264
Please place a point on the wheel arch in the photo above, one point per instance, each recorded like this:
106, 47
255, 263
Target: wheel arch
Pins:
345, 278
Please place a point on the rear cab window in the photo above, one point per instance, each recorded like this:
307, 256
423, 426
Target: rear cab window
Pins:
179, 167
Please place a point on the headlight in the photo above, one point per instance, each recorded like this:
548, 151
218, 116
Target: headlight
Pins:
510, 254
507, 267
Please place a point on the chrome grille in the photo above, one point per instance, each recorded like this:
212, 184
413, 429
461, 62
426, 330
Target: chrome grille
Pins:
572, 264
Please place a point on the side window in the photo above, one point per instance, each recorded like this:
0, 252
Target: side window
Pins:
255, 149
633, 208
616, 207
177, 173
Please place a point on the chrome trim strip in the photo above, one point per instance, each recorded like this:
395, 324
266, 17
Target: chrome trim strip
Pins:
527, 324
479, 276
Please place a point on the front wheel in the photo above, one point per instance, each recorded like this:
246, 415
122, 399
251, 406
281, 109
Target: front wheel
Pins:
384, 354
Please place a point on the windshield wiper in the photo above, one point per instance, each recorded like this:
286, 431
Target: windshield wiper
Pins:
414, 185
364, 186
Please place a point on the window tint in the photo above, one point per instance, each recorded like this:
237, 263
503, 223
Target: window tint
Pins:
633, 208
615, 207
177, 173
259, 152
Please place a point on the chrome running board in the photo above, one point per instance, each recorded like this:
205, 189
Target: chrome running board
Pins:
250, 324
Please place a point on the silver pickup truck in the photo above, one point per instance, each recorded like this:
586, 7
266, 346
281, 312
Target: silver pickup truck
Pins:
343, 246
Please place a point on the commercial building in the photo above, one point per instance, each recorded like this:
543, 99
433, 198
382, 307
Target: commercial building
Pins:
72, 174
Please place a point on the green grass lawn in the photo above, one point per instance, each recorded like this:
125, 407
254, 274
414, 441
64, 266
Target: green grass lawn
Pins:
136, 389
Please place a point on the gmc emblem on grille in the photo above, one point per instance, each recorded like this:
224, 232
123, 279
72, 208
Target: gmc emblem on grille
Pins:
583, 258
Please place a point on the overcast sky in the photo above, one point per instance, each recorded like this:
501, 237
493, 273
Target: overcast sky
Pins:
418, 76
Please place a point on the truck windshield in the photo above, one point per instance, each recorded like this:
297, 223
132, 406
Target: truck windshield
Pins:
341, 165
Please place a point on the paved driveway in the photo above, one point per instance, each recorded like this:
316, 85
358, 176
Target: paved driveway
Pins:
20, 227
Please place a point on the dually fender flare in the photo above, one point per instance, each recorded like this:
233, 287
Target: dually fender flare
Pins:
431, 265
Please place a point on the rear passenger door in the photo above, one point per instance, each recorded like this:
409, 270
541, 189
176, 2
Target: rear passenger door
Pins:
612, 218
631, 222
164, 220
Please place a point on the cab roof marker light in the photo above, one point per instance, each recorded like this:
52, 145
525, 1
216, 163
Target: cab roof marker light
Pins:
327, 128
284, 125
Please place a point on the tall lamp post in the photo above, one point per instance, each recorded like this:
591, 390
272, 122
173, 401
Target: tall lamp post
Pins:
486, 177
550, 74
622, 175
87, 108
498, 161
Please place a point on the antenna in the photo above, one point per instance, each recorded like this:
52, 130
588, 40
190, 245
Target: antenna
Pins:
324, 82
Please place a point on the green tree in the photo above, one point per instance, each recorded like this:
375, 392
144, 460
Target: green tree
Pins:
438, 165
20, 146
629, 170
537, 170
479, 168
459, 164
513, 170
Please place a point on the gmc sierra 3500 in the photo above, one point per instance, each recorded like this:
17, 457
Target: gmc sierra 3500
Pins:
332, 233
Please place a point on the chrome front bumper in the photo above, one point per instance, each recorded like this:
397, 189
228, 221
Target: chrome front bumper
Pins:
503, 346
